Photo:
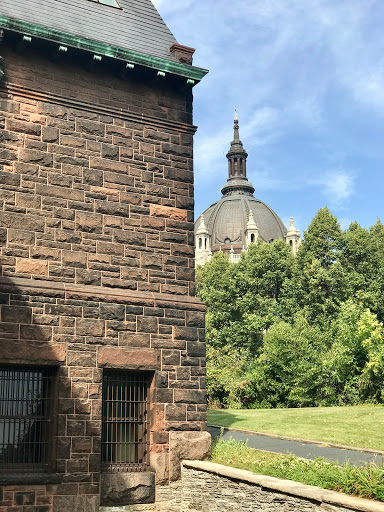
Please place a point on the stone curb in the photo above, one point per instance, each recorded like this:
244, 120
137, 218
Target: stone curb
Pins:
310, 492
298, 439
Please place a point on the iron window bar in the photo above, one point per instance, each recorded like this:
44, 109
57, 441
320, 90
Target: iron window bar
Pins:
125, 440
25, 419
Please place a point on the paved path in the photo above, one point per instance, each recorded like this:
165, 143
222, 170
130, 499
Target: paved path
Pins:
300, 449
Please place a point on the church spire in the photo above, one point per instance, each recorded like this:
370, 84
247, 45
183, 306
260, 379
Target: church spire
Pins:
237, 164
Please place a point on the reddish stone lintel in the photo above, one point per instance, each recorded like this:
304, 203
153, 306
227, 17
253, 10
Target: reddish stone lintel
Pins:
133, 359
182, 53
21, 352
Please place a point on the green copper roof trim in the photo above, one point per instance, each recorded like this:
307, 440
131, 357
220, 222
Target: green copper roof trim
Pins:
104, 49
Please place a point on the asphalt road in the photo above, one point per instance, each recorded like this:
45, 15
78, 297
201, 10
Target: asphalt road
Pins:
305, 450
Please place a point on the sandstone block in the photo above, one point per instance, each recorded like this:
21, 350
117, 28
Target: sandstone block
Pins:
135, 359
83, 359
36, 157
91, 127
148, 325
15, 125
28, 200
9, 178
49, 134
35, 267
35, 332
185, 333
16, 220
93, 177
89, 277
89, 222
16, 314
118, 489
187, 445
90, 327
60, 192
129, 237
190, 396
32, 352
152, 261
157, 210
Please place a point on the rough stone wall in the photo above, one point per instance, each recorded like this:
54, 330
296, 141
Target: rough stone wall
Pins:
96, 241
219, 488
208, 487
90, 197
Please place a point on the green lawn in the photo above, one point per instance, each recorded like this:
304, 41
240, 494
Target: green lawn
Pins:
360, 426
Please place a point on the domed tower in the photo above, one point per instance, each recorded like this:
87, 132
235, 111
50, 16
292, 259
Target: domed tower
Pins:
238, 218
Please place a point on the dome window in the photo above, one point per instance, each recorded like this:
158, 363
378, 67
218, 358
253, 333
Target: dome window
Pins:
227, 241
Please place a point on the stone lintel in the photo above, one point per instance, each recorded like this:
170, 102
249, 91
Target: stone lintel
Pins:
131, 359
29, 352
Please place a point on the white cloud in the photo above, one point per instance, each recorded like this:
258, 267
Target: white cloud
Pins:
337, 186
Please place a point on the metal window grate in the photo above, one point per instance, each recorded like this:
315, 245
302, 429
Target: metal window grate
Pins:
124, 421
25, 402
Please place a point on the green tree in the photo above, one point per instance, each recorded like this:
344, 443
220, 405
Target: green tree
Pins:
289, 371
371, 335
322, 241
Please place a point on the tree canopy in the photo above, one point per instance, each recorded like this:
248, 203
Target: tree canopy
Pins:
305, 330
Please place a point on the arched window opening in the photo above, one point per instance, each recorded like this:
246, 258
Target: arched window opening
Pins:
290, 243
205, 243
252, 238
200, 243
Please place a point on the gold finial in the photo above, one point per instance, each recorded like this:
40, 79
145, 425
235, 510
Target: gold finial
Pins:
235, 114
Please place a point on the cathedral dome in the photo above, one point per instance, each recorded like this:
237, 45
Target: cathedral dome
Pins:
227, 219
238, 218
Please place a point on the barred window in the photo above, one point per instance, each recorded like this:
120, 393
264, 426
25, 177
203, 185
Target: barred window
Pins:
25, 418
125, 421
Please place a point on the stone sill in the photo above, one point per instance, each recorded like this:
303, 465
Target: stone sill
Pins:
287, 486
30, 479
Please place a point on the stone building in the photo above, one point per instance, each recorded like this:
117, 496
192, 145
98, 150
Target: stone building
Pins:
102, 353
238, 218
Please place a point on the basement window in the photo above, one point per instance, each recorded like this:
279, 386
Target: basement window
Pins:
124, 439
111, 3
25, 418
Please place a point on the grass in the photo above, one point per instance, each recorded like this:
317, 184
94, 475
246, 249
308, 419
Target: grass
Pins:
365, 482
360, 426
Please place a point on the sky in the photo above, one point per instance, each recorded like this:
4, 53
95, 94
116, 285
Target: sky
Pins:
307, 78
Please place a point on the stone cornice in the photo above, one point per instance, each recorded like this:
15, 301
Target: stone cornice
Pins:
120, 113
97, 293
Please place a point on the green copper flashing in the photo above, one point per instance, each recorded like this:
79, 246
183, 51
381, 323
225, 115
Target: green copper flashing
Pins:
106, 50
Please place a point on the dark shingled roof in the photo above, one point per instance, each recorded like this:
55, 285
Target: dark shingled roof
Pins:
137, 26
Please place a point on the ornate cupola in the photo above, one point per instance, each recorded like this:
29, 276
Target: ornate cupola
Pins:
252, 231
237, 166
293, 237
202, 243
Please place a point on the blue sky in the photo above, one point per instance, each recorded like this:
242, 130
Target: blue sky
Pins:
307, 78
